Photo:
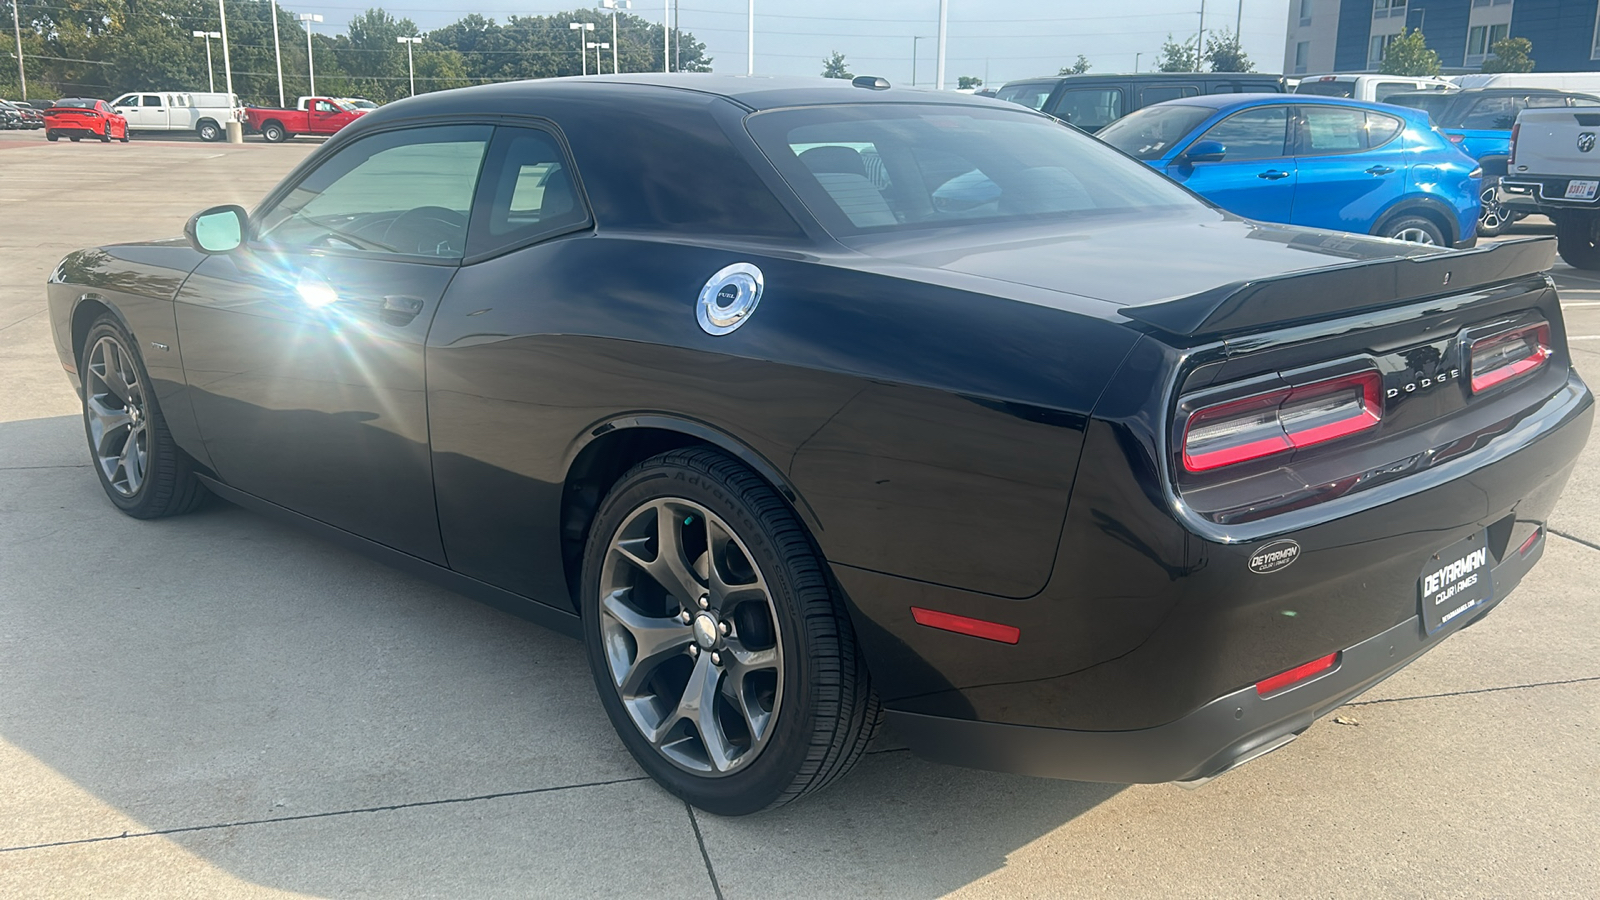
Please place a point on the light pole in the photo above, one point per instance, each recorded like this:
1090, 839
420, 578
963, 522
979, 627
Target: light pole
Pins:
944, 19
666, 35
597, 48
311, 63
411, 66
227, 63
580, 28
750, 63
1136, 61
211, 72
277, 49
16, 25
614, 6
914, 39
1200, 38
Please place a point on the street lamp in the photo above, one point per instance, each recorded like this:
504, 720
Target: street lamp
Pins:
227, 63
16, 24
277, 50
750, 50
311, 64
580, 28
614, 6
211, 73
596, 48
914, 39
410, 65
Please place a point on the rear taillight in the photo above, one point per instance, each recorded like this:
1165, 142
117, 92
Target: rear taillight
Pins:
1296, 675
1287, 419
1515, 127
1503, 357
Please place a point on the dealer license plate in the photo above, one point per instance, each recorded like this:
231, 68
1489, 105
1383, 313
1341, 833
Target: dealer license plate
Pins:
1455, 581
1581, 190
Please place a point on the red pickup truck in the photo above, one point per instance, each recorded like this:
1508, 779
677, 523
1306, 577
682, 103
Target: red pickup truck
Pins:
324, 115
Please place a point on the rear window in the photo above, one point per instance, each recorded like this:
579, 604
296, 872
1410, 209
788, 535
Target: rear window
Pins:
1327, 88
76, 104
1031, 95
892, 167
1151, 132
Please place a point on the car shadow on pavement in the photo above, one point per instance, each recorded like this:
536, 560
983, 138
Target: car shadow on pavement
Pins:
308, 720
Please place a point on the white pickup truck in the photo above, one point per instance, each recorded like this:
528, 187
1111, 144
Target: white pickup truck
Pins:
204, 114
1554, 169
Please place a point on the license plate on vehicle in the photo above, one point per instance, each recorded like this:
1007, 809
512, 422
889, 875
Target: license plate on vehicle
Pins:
1455, 581
1581, 190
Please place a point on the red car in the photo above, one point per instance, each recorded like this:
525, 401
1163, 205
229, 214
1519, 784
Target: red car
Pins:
78, 118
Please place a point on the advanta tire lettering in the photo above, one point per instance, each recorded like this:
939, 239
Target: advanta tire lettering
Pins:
1274, 557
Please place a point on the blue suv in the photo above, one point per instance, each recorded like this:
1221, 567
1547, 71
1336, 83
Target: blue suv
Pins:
1322, 162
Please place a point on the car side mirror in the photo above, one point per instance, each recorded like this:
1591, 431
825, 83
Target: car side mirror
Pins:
1205, 151
219, 229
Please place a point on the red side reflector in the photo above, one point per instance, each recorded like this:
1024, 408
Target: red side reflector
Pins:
1498, 359
1456, 138
1296, 675
990, 631
1532, 539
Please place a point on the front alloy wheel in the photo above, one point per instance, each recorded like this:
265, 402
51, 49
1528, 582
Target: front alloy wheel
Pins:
718, 641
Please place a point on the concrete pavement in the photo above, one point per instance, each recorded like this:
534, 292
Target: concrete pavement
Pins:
220, 706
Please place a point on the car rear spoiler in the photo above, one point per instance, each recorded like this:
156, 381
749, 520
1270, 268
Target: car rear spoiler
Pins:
1324, 293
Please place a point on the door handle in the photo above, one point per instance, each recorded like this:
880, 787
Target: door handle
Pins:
400, 309
1379, 170
1273, 175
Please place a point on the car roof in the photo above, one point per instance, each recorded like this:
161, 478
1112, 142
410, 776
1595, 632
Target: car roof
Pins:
754, 92
1228, 101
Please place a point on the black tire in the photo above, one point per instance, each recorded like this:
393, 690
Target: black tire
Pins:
75, 138
209, 131
105, 135
274, 133
168, 485
1410, 227
825, 711
1576, 239
51, 136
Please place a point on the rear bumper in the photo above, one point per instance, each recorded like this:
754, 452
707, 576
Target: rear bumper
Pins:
1229, 730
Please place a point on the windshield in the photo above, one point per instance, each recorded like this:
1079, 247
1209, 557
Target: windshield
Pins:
883, 167
1327, 88
76, 104
1152, 131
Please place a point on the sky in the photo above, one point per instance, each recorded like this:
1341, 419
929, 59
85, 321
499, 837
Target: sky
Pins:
988, 39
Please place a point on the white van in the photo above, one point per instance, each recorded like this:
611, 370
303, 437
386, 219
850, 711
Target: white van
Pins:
202, 113
1376, 88
1577, 82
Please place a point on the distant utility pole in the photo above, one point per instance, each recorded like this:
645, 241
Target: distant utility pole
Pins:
666, 35
944, 20
311, 62
1200, 38
16, 24
914, 39
227, 63
750, 65
1238, 21
211, 70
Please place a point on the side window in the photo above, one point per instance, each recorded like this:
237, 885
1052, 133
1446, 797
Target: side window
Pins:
407, 192
1252, 134
1545, 101
1089, 107
1493, 114
1328, 129
1383, 89
1152, 95
528, 192
152, 100
322, 106
126, 100
1381, 129
1032, 96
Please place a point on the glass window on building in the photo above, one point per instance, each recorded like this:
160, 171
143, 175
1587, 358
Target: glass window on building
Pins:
1302, 52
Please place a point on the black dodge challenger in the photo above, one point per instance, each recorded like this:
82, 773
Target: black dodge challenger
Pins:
809, 405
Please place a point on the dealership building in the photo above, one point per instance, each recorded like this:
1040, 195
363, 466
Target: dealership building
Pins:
1351, 35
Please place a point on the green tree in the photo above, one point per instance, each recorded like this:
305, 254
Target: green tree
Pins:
1225, 55
1178, 57
969, 83
1077, 68
1408, 54
834, 66
1510, 55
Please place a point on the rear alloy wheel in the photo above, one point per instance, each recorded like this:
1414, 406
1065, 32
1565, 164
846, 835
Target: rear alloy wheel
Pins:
141, 469
1494, 218
1578, 239
718, 641
1414, 228
209, 131
274, 133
